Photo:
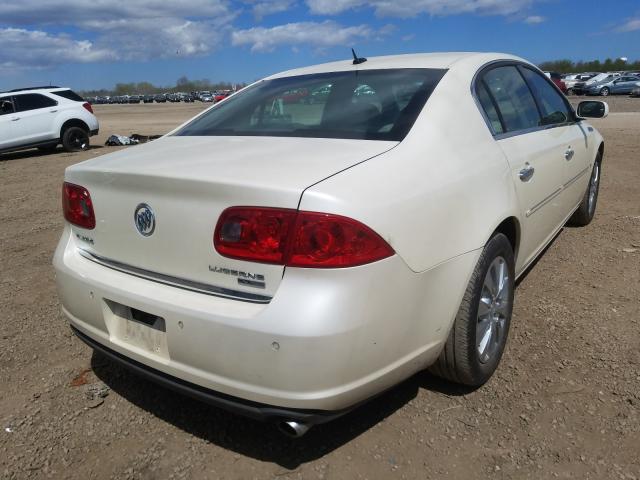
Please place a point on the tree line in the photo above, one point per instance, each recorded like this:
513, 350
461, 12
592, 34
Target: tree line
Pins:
183, 84
609, 65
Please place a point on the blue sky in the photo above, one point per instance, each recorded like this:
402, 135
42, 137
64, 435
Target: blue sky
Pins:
95, 44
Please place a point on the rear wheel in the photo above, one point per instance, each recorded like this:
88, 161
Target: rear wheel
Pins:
75, 139
479, 333
587, 209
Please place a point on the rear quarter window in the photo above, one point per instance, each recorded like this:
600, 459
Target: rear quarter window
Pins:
69, 95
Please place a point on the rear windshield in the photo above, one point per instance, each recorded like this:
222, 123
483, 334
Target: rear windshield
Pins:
365, 104
69, 95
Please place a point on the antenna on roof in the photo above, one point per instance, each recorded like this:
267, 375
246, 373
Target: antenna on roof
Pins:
357, 60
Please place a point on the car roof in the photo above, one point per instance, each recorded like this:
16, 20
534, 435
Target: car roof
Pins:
440, 60
49, 89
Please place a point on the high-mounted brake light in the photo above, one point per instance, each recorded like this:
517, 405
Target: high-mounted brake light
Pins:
297, 239
88, 107
77, 206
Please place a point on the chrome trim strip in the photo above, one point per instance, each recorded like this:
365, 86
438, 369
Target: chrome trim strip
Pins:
541, 204
175, 281
576, 177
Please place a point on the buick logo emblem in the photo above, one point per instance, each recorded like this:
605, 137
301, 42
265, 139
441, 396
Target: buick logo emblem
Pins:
144, 219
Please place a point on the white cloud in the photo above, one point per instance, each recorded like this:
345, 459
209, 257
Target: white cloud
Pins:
315, 34
534, 20
412, 8
111, 30
263, 8
75, 12
141, 39
631, 25
22, 48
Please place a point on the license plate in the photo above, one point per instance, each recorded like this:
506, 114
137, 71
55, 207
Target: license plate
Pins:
139, 329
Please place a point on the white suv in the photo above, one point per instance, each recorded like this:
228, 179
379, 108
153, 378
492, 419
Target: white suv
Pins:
43, 118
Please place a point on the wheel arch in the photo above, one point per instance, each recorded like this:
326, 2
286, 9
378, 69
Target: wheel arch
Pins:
601, 151
73, 122
510, 228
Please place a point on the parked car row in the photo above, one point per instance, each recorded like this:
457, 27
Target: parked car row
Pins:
161, 98
610, 83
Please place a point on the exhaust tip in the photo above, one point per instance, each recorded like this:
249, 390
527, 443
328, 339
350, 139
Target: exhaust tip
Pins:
293, 429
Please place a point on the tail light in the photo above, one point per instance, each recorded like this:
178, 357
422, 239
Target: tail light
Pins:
254, 234
297, 239
87, 107
77, 206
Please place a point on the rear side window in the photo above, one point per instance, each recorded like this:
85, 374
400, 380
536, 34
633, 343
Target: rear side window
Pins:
33, 101
553, 108
489, 108
513, 98
69, 95
6, 105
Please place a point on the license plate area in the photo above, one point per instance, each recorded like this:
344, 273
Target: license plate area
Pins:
136, 328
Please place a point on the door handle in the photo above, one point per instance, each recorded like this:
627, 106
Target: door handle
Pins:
53, 111
568, 155
15, 119
526, 173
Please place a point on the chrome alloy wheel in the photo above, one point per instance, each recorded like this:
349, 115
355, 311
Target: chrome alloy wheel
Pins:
493, 310
593, 186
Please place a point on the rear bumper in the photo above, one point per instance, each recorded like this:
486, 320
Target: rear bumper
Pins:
257, 411
328, 340
94, 132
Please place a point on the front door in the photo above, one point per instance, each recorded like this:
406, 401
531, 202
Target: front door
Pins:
7, 119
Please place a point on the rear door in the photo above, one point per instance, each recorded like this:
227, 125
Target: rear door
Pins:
35, 113
534, 153
7, 119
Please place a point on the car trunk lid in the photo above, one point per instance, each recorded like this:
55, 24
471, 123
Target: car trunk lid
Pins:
187, 182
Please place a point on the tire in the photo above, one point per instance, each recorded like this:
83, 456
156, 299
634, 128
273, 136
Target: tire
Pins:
587, 209
604, 91
467, 359
75, 139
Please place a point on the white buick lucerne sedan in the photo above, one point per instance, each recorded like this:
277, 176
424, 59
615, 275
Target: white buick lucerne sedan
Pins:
327, 232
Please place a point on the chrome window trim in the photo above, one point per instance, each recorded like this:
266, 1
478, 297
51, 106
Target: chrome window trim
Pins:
517, 63
172, 281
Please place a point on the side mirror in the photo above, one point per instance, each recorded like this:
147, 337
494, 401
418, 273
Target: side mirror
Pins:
6, 107
593, 109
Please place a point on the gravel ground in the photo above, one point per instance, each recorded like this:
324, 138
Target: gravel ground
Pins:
564, 403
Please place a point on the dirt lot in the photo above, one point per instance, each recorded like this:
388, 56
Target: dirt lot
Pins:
565, 402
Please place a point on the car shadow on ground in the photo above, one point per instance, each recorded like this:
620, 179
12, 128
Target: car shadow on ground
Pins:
258, 440
34, 152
